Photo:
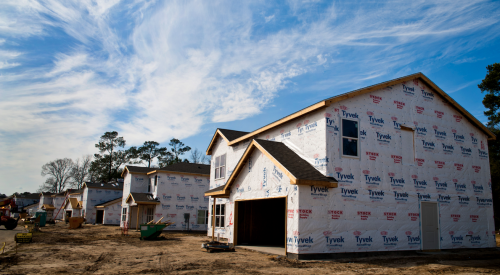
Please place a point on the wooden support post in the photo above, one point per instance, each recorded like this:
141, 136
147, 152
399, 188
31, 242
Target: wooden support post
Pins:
137, 221
213, 220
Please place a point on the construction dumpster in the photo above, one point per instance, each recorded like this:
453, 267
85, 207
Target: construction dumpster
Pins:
151, 231
43, 217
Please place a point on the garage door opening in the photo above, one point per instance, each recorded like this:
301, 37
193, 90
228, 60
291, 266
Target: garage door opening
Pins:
261, 222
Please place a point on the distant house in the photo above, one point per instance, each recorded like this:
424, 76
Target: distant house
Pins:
174, 192
109, 212
31, 209
95, 194
25, 199
73, 204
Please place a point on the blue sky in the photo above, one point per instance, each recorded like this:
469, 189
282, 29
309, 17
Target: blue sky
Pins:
153, 70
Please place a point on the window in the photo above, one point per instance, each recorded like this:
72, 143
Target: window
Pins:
124, 214
350, 135
407, 145
220, 211
220, 167
202, 216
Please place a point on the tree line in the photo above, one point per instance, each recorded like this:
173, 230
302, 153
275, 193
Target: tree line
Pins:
109, 163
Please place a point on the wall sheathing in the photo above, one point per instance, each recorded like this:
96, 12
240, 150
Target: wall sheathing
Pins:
261, 179
133, 183
74, 212
305, 135
21, 202
112, 213
93, 196
377, 204
58, 201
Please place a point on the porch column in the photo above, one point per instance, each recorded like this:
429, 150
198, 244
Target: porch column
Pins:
137, 222
213, 220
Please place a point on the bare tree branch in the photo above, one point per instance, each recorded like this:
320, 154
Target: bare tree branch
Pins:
59, 172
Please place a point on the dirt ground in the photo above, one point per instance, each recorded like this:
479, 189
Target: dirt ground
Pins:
103, 250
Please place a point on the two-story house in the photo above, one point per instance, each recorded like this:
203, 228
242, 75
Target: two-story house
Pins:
395, 166
175, 192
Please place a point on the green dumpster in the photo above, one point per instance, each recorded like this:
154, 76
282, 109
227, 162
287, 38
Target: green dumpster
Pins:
151, 231
43, 217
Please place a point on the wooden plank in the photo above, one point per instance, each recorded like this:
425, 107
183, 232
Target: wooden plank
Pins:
235, 223
137, 221
213, 220
317, 183
256, 199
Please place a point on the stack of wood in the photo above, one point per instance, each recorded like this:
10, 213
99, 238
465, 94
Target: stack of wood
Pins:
167, 223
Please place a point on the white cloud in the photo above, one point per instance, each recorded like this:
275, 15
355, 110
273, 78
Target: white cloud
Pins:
171, 67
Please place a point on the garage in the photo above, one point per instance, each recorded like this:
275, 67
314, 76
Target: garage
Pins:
261, 222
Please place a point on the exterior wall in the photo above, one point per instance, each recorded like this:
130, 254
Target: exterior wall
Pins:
377, 204
93, 196
44, 200
112, 213
259, 179
133, 183
21, 202
31, 210
58, 203
69, 207
305, 135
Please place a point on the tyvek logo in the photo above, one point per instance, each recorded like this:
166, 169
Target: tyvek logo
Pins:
390, 241
482, 154
372, 155
421, 131
444, 198
475, 239
170, 178
376, 195
440, 134
202, 207
189, 207
329, 122
277, 174
362, 133
463, 200
424, 197
349, 193
311, 126
412, 240
400, 197
167, 197
194, 199
458, 138
484, 202
374, 121
286, 135
206, 199
399, 104
364, 215
473, 139
448, 148
300, 242
428, 146
334, 243
320, 162
478, 188
372, 180
345, 178
396, 182
364, 242
376, 99
383, 138
420, 110
179, 207
139, 179
184, 179
180, 198
427, 95
264, 179
460, 187
440, 186
397, 125
456, 239
409, 91
319, 191
197, 180
419, 184
165, 206
349, 115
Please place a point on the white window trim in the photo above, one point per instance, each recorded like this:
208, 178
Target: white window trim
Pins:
124, 214
205, 216
220, 167
342, 140
220, 215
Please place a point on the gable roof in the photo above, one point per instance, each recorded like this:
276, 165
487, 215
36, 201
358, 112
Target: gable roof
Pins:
185, 168
48, 207
142, 198
296, 168
104, 204
75, 204
31, 196
328, 101
136, 170
31, 205
112, 185
228, 135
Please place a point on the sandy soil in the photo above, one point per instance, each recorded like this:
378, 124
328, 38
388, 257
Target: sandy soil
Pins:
103, 250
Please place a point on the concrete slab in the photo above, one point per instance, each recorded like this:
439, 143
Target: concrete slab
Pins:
265, 249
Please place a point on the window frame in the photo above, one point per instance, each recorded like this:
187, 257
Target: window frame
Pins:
124, 214
219, 167
205, 216
342, 139
412, 130
220, 219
